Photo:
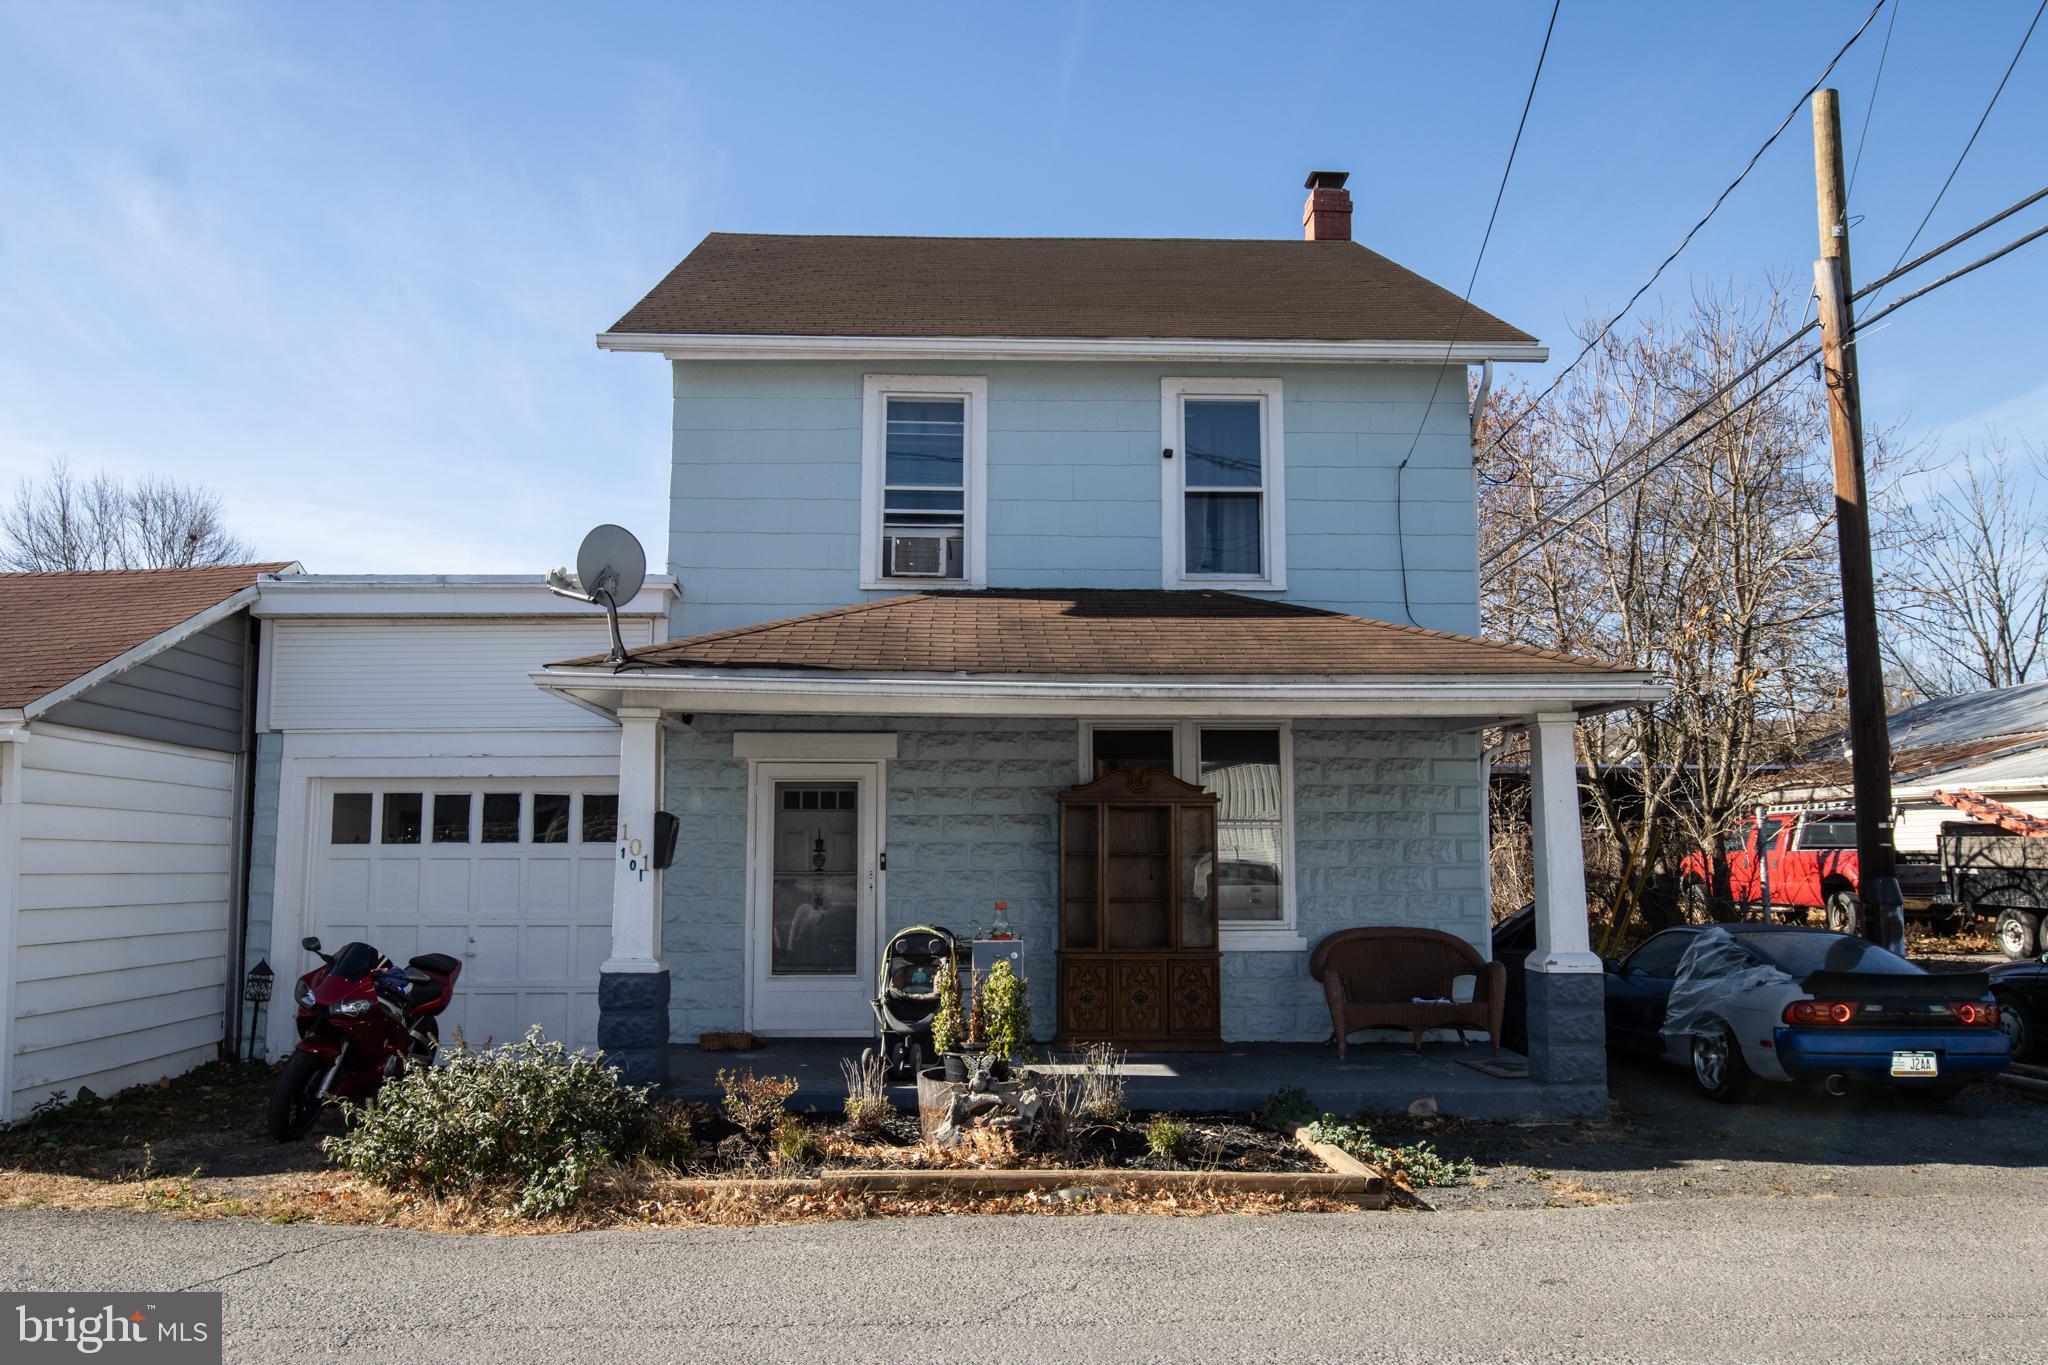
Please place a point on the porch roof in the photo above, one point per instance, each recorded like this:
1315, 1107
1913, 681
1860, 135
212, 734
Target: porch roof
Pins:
1083, 651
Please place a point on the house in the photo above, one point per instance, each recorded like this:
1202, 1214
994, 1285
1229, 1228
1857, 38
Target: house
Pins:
125, 781
1993, 742
961, 523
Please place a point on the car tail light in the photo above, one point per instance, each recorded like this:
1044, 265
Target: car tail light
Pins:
1974, 1013
1811, 1012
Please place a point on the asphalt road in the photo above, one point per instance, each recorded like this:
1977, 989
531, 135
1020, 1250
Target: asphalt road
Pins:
1909, 1278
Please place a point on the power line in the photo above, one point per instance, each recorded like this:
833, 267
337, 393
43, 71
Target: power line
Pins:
1863, 134
1465, 305
1686, 241
1981, 118
1508, 558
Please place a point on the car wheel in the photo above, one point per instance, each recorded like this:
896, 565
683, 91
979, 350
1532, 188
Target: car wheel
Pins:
2018, 1027
2016, 929
1717, 1064
1845, 916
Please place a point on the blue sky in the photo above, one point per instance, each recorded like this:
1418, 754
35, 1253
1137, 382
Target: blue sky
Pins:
344, 263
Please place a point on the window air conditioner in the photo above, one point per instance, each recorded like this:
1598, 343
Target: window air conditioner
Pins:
922, 552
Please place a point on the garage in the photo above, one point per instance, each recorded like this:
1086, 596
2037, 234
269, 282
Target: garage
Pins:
512, 878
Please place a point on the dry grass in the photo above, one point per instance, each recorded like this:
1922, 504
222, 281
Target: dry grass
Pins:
619, 1198
867, 1092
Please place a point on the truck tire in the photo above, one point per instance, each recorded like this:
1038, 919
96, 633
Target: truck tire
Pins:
2017, 932
1845, 914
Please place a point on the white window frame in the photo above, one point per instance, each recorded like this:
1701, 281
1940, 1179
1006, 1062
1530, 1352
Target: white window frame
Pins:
1241, 936
876, 391
1173, 482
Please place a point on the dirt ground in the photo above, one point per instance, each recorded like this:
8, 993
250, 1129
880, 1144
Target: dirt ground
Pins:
1662, 1142
1665, 1141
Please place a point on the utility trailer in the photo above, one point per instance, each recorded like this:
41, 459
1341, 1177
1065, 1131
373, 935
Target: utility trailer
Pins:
1995, 874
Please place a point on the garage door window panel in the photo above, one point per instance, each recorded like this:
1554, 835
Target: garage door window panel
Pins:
600, 819
501, 817
451, 818
401, 818
352, 824
550, 818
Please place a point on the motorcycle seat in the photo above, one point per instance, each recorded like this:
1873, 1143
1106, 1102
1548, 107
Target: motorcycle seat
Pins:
436, 962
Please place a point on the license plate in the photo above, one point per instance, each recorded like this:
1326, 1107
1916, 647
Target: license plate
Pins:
1914, 1064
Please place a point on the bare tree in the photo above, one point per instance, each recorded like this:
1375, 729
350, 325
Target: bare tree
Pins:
1710, 563
65, 523
1970, 582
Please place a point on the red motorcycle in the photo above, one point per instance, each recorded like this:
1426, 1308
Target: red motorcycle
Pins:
361, 1022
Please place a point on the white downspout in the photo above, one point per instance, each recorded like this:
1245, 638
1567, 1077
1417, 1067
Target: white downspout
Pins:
1479, 401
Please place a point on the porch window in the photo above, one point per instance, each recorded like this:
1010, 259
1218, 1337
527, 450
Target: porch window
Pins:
922, 459
1249, 769
1221, 465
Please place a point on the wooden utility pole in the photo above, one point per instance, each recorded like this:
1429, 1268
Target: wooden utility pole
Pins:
1883, 917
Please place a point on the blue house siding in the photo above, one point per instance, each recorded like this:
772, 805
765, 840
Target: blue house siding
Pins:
765, 500
1388, 831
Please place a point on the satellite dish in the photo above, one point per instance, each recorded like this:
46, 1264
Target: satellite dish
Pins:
610, 568
611, 563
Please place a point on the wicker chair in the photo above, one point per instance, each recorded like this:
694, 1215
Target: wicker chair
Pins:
1373, 978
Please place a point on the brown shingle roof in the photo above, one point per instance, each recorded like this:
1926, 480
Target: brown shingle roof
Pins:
1065, 287
1114, 633
58, 626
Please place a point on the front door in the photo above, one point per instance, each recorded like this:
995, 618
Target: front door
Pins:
814, 912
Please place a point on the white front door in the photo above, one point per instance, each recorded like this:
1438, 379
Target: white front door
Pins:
814, 899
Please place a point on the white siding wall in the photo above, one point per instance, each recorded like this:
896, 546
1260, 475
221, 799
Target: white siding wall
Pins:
123, 909
430, 675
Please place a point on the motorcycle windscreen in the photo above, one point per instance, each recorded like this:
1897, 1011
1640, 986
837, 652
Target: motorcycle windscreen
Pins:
353, 962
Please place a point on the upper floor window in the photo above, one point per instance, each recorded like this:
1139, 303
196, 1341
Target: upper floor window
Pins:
923, 464
1224, 519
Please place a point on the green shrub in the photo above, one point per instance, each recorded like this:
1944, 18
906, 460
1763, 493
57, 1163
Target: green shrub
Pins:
530, 1115
669, 1136
795, 1142
1418, 1161
1167, 1137
949, 1026
756, 1105
1006, 1012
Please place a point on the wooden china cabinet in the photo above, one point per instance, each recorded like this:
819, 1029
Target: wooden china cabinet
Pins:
1138, 961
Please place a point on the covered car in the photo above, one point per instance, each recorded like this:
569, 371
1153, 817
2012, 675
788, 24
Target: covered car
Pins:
1744, 1002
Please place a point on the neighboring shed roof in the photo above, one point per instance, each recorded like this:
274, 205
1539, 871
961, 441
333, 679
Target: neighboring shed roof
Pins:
2007, 724
749, 284
56, 627
1102, 633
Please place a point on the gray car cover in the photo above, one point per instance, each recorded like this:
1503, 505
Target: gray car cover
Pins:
1714, 970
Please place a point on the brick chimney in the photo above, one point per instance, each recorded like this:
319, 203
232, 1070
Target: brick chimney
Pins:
1326, 217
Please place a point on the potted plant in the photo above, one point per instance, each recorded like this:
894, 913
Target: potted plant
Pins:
949, 1026
1006, 1016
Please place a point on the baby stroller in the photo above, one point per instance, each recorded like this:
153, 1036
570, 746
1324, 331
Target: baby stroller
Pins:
908, 997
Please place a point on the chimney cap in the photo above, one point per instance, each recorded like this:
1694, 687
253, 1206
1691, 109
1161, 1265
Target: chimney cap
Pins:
1326, 180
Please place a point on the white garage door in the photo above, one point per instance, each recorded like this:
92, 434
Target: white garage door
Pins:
513, 878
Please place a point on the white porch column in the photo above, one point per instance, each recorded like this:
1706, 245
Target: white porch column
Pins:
1562, 941
1567, 1014
633, 985
636, 885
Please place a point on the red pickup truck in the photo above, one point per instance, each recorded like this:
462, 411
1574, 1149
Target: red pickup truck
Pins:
1810, 856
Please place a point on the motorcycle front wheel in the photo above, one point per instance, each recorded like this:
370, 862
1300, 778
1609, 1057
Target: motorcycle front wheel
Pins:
295, 1097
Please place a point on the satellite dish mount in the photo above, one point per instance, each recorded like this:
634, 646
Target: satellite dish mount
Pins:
610, 568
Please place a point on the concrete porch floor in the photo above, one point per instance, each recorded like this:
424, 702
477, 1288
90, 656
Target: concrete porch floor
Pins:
1375, 1076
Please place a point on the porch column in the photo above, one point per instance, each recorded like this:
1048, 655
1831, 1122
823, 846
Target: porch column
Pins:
632, 987
1567, 1012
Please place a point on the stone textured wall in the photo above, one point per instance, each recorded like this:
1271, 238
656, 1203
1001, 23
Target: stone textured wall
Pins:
1388, 830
